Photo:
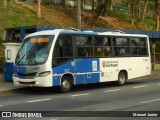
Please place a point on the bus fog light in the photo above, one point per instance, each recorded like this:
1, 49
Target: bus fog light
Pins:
37, 82
43, 74
17, 83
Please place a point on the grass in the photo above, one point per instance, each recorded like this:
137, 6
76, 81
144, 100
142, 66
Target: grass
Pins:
16, 16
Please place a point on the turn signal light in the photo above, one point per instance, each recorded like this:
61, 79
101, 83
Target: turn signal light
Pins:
43, 74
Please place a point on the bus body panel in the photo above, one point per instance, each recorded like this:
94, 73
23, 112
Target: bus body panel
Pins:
135, 67
84, 71
87, 68
30, 75
60, 70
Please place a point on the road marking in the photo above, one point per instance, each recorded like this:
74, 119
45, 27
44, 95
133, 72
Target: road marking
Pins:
112, 90
1, 105
139, 87
55, 119
79, 95
150, 101
158, 84
38, 100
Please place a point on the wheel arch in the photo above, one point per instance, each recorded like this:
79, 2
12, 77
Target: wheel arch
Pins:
124, 71
69, 75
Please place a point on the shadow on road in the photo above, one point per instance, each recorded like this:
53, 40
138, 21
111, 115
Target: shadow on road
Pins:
78, 88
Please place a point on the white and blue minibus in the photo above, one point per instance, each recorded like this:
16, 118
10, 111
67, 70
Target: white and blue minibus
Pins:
64, 58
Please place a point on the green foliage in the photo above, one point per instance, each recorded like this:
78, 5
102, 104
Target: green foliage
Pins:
119, 15
16, 16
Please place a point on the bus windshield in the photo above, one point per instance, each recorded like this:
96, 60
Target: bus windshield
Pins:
34, 50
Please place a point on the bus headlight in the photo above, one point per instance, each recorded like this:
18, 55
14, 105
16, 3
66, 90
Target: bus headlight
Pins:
43, 74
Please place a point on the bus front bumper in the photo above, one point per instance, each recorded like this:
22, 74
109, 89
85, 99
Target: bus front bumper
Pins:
36, 82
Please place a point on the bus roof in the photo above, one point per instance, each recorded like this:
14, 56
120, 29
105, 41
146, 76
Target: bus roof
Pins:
67, 31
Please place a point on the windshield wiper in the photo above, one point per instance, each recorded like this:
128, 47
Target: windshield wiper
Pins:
23, 56
29, 51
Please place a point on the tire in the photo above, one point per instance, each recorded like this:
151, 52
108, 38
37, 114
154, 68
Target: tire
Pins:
122, 77
66, 85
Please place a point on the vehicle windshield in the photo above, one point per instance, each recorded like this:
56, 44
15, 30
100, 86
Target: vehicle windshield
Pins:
34, 50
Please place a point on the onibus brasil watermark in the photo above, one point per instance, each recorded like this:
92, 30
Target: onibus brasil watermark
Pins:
21, 114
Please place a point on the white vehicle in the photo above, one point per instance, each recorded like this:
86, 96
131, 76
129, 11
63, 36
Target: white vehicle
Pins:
66, 57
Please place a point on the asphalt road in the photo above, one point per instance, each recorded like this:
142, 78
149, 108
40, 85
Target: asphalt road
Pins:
136, 96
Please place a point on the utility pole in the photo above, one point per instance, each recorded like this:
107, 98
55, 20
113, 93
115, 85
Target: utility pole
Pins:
78, 14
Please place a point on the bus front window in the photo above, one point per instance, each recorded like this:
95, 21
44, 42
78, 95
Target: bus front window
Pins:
34, 50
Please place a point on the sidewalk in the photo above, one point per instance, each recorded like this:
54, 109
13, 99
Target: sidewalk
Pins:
6, 86
9, 86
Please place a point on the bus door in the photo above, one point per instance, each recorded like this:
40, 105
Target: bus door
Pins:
62, 60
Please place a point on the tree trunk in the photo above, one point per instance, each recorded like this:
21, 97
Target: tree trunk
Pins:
157, 14
93, 5
144, 9
79, 14
99, 10
63, 4
39, 8
15, 1
129, 7
4, 4
139, 10
43, 2
105, 8
110, 5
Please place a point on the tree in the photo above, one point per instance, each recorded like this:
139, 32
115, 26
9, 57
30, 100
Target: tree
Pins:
144, 8
93, 5
78, 14
63, 3
157, 14
4, 4
101, 9
43, 2
16, 1
39, 8
110, 5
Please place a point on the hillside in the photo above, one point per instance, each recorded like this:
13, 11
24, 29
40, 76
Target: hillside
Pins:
22, 14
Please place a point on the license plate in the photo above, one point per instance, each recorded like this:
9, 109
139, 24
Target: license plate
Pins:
27, 85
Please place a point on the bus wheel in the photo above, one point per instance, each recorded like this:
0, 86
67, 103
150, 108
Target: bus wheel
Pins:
65, 85
122, 77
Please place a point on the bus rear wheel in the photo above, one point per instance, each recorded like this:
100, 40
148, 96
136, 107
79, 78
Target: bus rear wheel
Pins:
66, 85
122, 77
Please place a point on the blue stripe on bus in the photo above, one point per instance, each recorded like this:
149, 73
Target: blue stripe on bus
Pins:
56, 81
84, 71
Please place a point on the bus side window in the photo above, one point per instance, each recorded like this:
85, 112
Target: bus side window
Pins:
139, 46
84, 46
63, 50
102, 46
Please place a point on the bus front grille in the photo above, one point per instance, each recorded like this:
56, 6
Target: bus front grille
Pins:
27, 76
27, 82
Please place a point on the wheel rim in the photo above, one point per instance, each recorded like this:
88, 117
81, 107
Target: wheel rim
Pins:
122, 79
66, 84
